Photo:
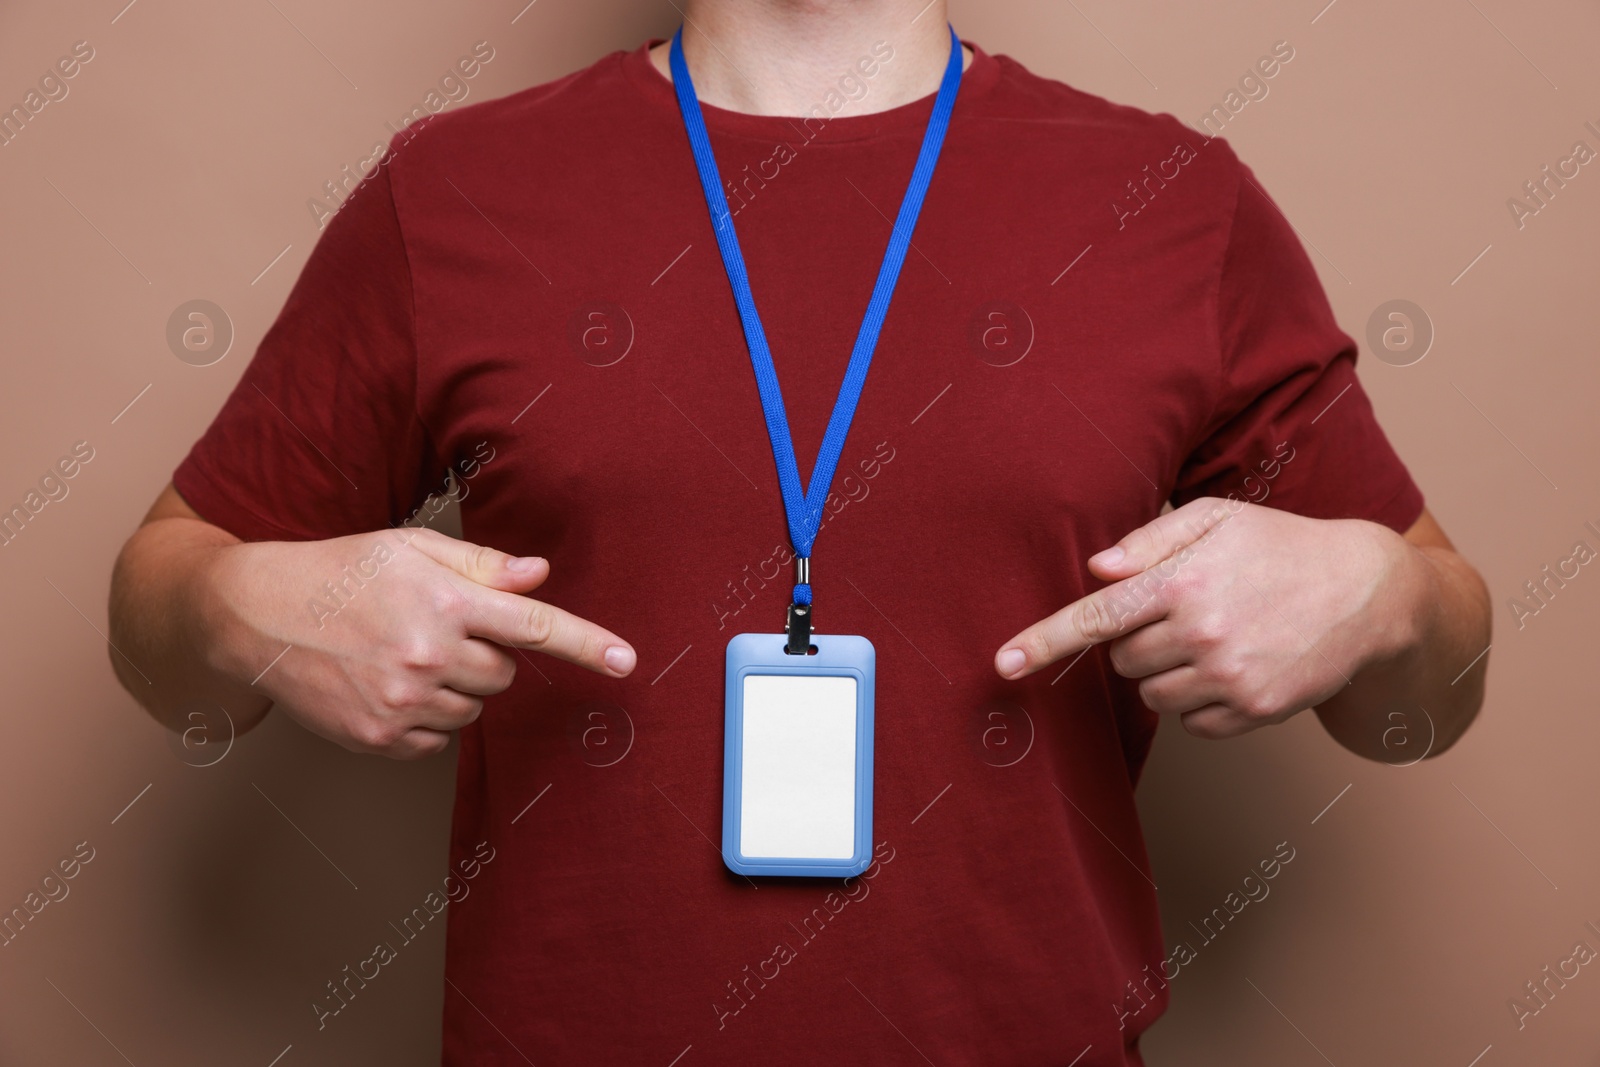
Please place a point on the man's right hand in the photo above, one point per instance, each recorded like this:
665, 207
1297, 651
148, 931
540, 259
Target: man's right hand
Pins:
416, 629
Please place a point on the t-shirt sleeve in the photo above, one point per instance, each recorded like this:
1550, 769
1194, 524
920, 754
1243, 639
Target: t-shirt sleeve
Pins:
321, 436
1292, 427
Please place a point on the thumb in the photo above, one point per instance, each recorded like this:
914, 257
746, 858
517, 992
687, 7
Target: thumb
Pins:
1160, 538
480, 564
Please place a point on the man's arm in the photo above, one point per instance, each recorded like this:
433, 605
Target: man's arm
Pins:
158, 618
382, 642
1420, 699
1236, 616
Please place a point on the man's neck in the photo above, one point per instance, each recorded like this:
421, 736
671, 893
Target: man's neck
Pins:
784, 57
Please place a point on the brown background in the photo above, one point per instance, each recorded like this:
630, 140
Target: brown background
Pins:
181, 163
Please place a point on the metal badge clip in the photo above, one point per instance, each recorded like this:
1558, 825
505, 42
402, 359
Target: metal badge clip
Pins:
799, 629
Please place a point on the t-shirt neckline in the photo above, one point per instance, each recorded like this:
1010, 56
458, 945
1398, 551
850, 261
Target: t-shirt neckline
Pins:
979, 76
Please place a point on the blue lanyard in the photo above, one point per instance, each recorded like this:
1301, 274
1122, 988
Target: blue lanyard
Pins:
804, 509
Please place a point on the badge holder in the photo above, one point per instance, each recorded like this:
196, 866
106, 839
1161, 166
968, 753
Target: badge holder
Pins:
797, 778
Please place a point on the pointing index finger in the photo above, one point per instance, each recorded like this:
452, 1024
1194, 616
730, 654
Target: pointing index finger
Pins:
1102, 615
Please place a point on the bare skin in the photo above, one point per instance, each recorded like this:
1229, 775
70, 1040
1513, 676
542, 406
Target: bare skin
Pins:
1236, 616
781, 57
1265, 613
201, 616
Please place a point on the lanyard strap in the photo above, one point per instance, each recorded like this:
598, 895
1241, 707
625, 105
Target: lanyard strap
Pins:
804, 509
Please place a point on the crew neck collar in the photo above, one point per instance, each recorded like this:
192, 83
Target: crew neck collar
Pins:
657, 89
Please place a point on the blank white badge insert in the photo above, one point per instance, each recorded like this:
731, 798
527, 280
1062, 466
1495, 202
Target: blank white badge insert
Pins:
798, 786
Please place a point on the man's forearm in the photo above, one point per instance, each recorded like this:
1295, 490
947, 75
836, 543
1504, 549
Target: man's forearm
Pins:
161, 640
1420, 696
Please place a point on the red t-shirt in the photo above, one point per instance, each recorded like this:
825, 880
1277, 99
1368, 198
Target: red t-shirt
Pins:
1102, 312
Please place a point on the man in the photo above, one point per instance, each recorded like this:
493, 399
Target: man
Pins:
527, 294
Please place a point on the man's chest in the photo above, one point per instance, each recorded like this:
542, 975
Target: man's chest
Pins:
1039, 367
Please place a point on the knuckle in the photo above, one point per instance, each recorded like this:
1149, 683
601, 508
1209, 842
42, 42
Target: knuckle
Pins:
399, 694
469, 711
372, 734
1038, 646
1125, 658
503, 673
1260, 705
538, 624
1229, 671
1209, 630
482, 558
1148, 545
592, 644
433, 745
422, 654
1094, 618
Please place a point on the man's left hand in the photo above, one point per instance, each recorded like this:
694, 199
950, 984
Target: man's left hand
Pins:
1236, 616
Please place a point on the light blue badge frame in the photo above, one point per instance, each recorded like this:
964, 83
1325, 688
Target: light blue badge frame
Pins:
763, 654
